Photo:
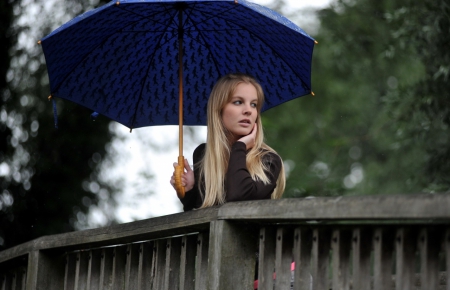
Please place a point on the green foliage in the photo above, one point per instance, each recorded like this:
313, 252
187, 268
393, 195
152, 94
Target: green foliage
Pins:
379, 121
49, 177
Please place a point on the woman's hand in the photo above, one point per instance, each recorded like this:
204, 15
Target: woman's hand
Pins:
250, 139
187, 178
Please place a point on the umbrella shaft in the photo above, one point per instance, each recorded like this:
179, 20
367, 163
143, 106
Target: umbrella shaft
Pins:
180, 80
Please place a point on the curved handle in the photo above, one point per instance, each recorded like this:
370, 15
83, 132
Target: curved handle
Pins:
178, 171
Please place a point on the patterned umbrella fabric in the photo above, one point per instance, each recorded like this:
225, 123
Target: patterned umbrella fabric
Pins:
122, 59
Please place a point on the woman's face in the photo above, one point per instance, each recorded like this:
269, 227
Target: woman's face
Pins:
240, 114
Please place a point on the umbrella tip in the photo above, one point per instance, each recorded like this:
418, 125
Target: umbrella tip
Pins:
316, 42
50, 97
236, 2
117, 3
39, 42
312, 93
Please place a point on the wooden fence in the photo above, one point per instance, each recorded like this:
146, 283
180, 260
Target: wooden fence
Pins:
360, 242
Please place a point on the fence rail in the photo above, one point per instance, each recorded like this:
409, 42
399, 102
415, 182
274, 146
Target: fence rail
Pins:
363, 242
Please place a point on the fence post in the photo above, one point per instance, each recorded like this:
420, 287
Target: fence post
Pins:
44, 271
232, 256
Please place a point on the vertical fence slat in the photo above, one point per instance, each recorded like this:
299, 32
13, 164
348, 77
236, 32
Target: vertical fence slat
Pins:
14, 281
24, 279
302, 258
187, 262
3, 281
447, 257
341, 246
383, 241
160, 264
362, 247
89, 271
77, 270
283, 259
119, 264
106, 270
201, 267
172, 272
405, 244
320, 259
82, 270
429, 243
266, 259
70, 271
93, 278
145, 265
132, 266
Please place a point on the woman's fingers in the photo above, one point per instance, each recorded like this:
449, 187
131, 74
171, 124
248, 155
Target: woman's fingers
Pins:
187, 166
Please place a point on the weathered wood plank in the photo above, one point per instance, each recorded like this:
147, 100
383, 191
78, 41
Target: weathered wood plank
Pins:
283, 258
145, 265
160, 263
81, 272
93, 279
383, 243
119, 263
106, 269
42, 265
302, 258
70, 269
405, 247
173, 255
362, 247
4, 282
201, 263
376, 207
230, 245
24, 279
429, 246
187, 262
341, 246
132, 266
447, 256
266, 260
320, 258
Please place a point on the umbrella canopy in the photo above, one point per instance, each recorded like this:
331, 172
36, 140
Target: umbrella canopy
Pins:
122, 59
154, 62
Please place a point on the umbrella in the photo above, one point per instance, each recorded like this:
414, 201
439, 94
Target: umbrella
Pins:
138, 61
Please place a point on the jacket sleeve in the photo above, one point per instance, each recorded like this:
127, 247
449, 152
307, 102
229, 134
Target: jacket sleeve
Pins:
239, 184
192, 198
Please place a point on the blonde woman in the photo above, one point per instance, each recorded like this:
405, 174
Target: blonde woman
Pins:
235, 164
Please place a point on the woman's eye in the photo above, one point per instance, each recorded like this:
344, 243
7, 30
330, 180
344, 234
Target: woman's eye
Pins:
254, 105
237, 102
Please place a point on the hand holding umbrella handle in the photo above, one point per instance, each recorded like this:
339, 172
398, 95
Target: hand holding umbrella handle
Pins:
178, 172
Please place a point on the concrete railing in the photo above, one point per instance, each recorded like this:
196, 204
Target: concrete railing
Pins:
359, 242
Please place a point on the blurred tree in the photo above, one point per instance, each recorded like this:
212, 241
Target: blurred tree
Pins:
49, 177
370, 130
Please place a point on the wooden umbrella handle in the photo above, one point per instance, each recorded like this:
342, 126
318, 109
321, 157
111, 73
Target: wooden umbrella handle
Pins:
178, 172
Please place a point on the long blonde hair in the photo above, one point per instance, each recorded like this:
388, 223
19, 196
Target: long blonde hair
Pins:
214, 164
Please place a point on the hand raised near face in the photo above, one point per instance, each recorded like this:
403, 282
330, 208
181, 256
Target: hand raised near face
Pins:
250, 139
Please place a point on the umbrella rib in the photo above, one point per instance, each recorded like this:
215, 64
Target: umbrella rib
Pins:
78, 64
101, 43
150, 17
219, 15
145, 77
205, 44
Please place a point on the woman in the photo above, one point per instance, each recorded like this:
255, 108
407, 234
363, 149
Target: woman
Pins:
235, 164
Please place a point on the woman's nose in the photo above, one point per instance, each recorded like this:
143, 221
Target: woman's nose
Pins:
247, 109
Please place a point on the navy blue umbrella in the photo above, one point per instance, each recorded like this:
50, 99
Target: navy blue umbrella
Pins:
138, 61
